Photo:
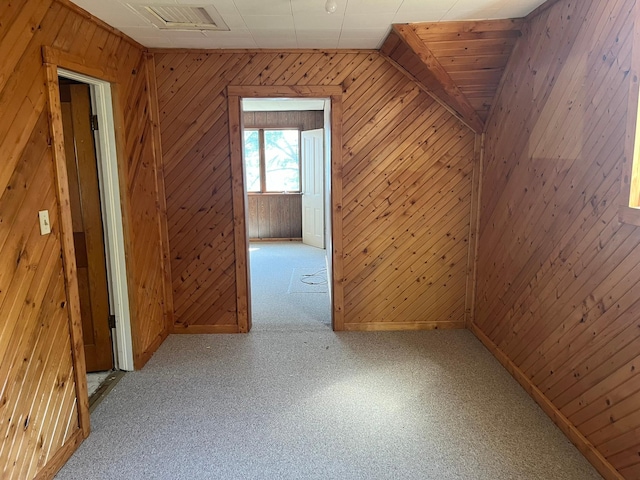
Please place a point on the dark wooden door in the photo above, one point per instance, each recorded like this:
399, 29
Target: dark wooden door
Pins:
88, 233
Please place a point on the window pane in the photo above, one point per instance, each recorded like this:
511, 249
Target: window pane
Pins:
281, 160
252, 160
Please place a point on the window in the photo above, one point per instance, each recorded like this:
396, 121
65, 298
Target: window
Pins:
272, 160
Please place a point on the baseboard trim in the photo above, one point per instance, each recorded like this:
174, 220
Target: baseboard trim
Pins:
578, 439
58, 460
401, 326
275, 239
205, 329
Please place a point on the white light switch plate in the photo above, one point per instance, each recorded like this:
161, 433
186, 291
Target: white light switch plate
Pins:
45, 225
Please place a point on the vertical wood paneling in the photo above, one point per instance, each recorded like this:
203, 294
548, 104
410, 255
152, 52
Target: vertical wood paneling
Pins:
40, 420
275, 216
558, 274
406, 179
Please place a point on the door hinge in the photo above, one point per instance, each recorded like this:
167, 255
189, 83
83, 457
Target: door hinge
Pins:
112, 321
94, 122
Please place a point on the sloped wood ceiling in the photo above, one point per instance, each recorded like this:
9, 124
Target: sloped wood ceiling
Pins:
41, 410
460, 63
558, 273
407, 182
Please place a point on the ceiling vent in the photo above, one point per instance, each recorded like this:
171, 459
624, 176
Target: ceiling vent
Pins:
181, 17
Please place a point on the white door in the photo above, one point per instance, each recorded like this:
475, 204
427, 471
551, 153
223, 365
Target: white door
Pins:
313, 188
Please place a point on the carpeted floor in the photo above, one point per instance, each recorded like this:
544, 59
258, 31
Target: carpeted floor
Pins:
288, 287
294, 400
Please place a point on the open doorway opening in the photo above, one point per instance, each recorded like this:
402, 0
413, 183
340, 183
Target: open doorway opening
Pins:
285, 164
94, 199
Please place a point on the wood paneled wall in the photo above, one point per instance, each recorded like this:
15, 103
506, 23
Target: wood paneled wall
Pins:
274, 215
407, 178
39, 404
558, 274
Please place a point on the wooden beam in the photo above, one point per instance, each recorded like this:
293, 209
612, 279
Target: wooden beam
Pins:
404, 46
474, 226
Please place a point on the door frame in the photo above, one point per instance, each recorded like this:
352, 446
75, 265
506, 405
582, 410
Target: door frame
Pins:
333, 245
103, 87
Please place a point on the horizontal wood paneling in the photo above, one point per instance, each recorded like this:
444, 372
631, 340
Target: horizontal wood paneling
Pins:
274, 216
39, 404
558, 274
406, 185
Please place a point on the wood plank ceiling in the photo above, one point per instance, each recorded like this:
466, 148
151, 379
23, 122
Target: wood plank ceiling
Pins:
460, 63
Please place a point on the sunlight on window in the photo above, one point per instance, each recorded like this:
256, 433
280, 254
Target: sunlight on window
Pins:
282, 165
252, 160
272, 160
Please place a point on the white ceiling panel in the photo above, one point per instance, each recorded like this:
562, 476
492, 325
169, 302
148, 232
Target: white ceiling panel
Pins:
367, 7
289, 24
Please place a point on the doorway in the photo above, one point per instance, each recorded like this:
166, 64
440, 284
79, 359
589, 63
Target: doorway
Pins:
96, 219
284, 177
332, 97
79, 124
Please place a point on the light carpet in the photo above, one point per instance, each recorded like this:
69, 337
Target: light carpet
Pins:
280, 300
311, 404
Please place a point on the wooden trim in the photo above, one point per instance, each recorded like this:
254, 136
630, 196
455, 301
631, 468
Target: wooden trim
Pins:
274, 194
462, 27
77, 64
447, 90
629, 215
205, 329
580, 441
630, 178
262, 160
234, 94
542, 8
474, 230
401, 326
68, 249
241, 241
274, 239
283, 91
83, 13
337, 234
154, 113
214, 51
61, 457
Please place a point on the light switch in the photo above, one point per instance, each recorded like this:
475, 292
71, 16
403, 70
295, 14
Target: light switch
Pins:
45, 225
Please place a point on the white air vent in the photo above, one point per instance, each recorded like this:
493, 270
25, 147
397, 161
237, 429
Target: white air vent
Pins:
181, 17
